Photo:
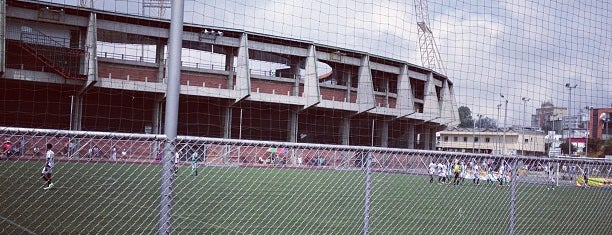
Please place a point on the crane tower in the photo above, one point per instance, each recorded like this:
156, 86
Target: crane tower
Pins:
427, 44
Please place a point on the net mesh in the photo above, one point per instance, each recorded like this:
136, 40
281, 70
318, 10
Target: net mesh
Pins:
473, 139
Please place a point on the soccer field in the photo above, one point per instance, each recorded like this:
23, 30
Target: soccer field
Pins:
124, 198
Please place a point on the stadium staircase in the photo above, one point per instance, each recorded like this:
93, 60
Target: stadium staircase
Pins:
60, 59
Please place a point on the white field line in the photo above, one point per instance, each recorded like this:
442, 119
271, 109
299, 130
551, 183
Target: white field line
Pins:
19, 226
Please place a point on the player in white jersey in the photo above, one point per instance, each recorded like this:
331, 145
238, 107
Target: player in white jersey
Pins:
47, 171
476, 174
441, 173
432, 171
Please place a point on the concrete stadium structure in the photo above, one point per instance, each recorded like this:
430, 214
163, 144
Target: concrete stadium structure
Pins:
55, 76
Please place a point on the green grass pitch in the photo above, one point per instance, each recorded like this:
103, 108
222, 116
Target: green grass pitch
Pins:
124, 198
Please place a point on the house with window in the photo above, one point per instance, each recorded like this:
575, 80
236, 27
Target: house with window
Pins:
509, 141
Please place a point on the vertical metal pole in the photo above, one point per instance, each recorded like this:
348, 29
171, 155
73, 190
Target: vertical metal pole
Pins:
170, 127
71, 110
367, 193
505, 116
512, 209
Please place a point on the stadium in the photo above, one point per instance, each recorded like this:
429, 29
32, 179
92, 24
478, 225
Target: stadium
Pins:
88, 89
273, 135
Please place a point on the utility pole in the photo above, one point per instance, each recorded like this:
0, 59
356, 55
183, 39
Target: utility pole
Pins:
524, 99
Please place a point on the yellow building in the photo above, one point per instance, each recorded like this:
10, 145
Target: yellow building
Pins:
517, 141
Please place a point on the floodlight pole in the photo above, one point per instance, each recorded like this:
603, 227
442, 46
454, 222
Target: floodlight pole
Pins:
525, 100
497, 129
505, 116
569, 114
175, 43
586, 145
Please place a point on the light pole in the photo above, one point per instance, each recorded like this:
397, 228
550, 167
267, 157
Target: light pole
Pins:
586, 145
505, 116
569, 114
524, 99
497, 129
474, 133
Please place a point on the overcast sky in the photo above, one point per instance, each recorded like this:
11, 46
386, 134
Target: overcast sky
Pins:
516, 47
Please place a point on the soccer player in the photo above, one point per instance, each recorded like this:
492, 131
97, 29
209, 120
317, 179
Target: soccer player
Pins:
457, 172
47, 171
551, 178
441, 173
432, 170
476, 174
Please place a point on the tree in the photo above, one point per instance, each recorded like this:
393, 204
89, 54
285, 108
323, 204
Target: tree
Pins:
465, 116
487, 122
563, 147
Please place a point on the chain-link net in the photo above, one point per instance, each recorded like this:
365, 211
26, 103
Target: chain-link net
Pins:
109, 182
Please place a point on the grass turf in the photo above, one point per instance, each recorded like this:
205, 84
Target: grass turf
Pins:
124, 198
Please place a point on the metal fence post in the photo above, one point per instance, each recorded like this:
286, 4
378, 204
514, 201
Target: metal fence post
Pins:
512, 209
367, 193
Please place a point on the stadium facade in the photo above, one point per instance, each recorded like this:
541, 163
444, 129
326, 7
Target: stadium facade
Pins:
58, 73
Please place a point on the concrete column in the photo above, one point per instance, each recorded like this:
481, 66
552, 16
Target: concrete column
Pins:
312, 91
77, 112
2, 36
227, 123
295, 70
345, 129
410, 136
434, 140
229, 67
365, 89
349, 85
243, 71
159, 59
383, 132
292, 125
157, 114
404, 100
426, 138
386, 104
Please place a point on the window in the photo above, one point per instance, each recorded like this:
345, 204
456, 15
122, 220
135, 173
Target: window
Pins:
464, 139
445, 138
475, 139
487, 139
526, 140
455, 139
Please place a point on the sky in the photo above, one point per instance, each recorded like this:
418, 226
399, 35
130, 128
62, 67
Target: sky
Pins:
518, 48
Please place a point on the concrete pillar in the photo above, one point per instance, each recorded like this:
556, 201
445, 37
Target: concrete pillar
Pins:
295, 70
345, 129
292, 126
349, 85
312, 91
159, 59
243, 71
365, 89
157, 114
434, 140
158, 102
426, 138
229, 67
227, 123
2, 36
383, 132
410, 136
77, 112
404, 101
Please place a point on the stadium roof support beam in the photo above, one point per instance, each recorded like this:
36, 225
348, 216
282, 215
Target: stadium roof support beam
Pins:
243, 73
431, 104
365, 87
312, 91
2, 36
448, 110
405, 102
90, 65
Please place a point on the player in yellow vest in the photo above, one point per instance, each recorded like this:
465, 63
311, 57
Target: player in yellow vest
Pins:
457, 171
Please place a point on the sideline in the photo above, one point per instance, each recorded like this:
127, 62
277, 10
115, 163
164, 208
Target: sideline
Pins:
19, 226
